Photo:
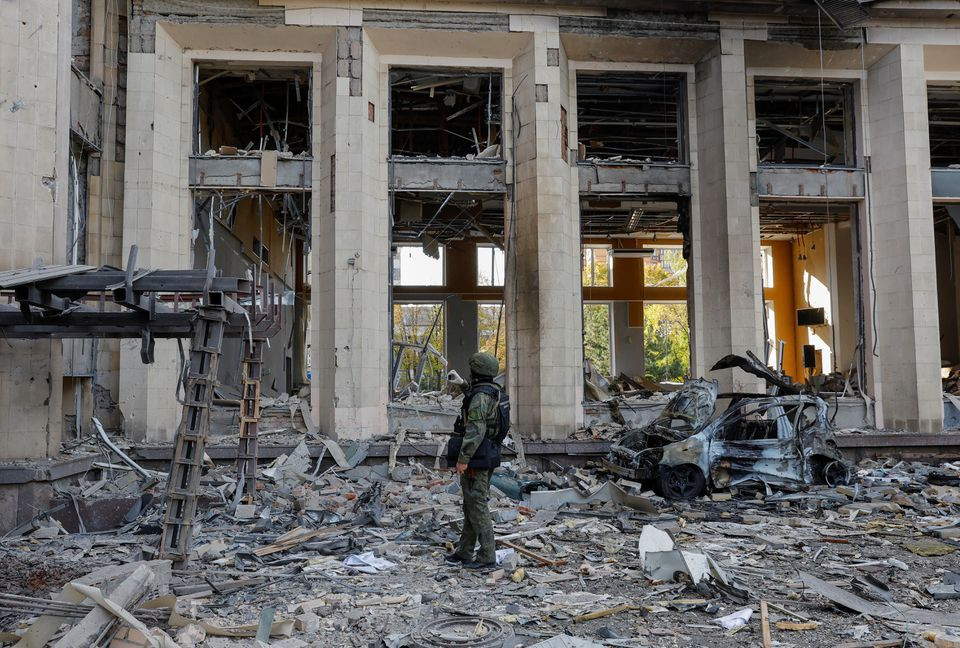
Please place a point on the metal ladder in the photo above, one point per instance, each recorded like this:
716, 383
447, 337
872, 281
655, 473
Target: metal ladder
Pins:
250, 416
183, 483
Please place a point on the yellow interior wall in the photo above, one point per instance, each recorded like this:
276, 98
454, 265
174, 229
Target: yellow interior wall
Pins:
784, 308
812, 286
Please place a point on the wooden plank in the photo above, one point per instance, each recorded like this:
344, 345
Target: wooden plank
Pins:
88, 631
765, 625
529, 554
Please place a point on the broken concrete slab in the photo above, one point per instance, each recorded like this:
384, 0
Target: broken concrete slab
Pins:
606, 492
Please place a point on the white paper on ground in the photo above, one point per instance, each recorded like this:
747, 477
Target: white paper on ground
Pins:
502, 554
738, 618
368, 563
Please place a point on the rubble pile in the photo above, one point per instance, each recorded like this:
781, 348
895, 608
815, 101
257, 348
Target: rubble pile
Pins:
951, 384
352, 555
432, 401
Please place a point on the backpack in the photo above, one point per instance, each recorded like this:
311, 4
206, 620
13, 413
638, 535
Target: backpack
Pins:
487, 456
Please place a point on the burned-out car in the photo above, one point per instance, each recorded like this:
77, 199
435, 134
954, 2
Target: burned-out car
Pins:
783, 440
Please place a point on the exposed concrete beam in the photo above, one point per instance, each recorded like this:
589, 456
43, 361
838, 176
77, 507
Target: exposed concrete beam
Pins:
232, 172
634, 179
809, 182
448, 175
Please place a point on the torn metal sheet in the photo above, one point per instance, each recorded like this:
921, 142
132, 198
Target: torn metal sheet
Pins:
607, 492
752, 365
890, 611
664, 565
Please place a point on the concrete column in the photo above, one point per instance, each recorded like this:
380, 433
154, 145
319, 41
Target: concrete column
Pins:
157, 217
545, 308
908, 334
725, 229
350, 256
34, 150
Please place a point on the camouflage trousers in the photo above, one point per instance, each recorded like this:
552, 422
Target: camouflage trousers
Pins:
477, 524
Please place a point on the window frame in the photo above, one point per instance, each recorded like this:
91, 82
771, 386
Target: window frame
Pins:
593, 264
398, 274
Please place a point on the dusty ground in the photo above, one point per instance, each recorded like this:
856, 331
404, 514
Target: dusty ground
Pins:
761, 542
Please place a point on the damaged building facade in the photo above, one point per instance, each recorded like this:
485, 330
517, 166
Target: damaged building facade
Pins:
422, 182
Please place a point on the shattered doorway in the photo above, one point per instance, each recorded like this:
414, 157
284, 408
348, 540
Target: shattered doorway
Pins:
810, 260
447, 249
264, 236
633, 257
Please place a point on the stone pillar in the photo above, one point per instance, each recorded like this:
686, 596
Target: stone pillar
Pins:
351, 250
34, 150
544, 300
725, 229
157, 217
907, 383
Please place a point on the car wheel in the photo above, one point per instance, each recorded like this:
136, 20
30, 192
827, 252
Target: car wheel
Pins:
682, 482
836, 473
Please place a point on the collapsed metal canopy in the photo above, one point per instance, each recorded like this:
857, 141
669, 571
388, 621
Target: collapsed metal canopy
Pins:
70, 301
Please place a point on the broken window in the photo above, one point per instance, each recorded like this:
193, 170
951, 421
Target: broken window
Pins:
596, 336
597, 265
264, 236
666, 267
492, 331
943, 106
445, 113
412, 266
805, 122
630, 116
244, 108
418, 341
766, 265
666, 341
490, 265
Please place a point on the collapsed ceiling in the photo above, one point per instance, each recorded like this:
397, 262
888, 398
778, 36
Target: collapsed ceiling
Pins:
437, 113
804, 122
253, 108
631, 116
430, 217
943, 106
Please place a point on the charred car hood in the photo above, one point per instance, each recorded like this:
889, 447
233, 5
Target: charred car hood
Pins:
752, 365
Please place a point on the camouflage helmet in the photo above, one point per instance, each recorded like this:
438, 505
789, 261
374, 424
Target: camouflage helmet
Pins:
484, 365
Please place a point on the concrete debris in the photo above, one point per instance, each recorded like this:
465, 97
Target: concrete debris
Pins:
354, 556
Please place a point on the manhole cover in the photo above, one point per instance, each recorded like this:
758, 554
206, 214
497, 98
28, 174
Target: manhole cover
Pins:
475, 632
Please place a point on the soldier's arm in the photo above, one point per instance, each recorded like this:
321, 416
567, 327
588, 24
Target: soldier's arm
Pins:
476, 427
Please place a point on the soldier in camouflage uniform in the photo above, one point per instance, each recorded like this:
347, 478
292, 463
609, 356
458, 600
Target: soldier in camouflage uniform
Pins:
481, 421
